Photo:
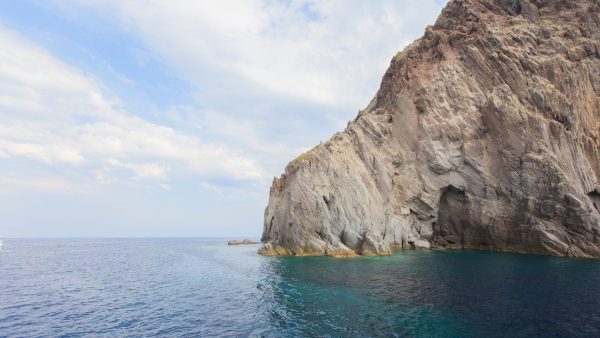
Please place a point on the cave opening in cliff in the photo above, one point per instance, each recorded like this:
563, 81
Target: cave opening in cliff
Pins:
595, 197
449, 228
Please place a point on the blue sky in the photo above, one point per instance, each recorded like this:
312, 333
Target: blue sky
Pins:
170, 118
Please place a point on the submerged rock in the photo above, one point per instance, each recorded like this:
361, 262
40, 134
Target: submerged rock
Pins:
484, 134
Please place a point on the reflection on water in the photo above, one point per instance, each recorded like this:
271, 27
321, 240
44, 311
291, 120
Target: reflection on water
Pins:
437, 294
199, 287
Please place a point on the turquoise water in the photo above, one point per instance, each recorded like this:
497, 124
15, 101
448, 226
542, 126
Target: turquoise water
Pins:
204, 288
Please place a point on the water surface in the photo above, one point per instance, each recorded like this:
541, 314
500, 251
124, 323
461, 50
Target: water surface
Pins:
202, 287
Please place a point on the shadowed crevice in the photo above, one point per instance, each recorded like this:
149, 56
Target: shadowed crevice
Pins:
449, 229
595, 197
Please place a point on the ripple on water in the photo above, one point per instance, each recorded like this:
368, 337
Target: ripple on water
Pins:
199, 287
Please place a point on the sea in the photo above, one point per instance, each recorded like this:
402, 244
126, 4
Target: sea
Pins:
169, 287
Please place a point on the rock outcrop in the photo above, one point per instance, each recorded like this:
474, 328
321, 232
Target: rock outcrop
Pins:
484, 134
242, 242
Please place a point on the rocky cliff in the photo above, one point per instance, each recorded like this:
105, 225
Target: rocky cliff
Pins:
484, 134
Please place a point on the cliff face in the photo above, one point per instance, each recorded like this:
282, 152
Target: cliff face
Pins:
484, 134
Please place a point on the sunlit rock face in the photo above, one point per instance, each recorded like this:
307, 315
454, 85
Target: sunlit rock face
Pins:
484, 134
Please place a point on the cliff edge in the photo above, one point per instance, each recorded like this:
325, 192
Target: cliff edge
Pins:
484, 134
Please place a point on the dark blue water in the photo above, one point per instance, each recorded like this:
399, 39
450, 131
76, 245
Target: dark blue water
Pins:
198, 287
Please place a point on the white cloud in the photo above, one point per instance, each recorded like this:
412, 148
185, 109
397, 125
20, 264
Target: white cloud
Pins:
153, 171
55, 115
266, 80
47, 153
245, 132
269, 78
331, 52
13, 184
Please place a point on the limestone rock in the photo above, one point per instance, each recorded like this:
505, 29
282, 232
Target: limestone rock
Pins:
484, 134
273, 250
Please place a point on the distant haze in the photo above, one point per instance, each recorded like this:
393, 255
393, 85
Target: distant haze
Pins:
170, 118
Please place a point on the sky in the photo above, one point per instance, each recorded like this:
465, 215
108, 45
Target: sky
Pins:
171, 118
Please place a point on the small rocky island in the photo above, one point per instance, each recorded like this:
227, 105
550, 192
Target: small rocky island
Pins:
484, 134
245, 241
